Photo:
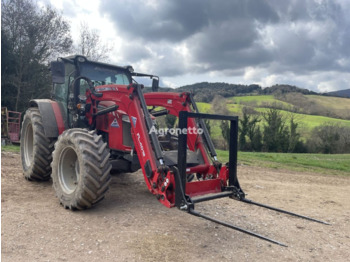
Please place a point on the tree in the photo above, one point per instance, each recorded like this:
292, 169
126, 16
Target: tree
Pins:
219, 106
170, 121
208, 126
8, 92
249, 128
330, 138
294, 136
225, 131
91, 45
275, 136
243, 131
256, 140
33, 37
254, 134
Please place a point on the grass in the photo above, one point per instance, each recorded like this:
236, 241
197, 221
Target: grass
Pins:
306, 122
335, 103
310, 121
203, 107
235, 108
316, 163
10, 148
336, 164
258, 99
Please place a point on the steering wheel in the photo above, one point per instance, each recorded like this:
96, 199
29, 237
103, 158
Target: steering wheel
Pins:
91, 86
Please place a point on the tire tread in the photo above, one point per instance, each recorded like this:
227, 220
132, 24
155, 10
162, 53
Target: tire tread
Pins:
40, 168
94, 178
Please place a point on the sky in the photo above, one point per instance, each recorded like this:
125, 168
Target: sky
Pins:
298, 42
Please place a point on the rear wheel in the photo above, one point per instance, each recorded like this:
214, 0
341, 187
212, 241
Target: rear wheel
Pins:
80, 168
36, 148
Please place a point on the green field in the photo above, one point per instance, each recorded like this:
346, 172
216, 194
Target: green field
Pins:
317, 163
310, 121
306, 122
235, 108
258, 100
336, 164
203, 107
334, 103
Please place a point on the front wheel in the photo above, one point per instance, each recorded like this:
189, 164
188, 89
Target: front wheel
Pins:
36, 148
80, 168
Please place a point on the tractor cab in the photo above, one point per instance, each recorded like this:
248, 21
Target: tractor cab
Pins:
74, 75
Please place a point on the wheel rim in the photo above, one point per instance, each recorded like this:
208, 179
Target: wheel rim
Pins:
68, 170
28, 147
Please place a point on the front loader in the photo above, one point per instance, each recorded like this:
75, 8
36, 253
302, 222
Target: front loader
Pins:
99, 119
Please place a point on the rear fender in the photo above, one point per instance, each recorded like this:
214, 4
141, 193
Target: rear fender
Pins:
53, 116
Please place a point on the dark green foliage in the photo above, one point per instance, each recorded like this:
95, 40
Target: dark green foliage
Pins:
275, 135
254, 134
283, 89
243, 130
205, 92
248, 128
8, 69
170, 121
31, 37
225, 131
207, 124
256, 140
294, 136
219, 106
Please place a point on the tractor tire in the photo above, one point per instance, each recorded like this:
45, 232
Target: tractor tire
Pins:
80, 168
36, 148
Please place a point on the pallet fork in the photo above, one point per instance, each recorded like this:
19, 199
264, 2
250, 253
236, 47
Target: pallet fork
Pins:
233, 190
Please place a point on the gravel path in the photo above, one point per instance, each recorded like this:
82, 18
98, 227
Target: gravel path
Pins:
130, 224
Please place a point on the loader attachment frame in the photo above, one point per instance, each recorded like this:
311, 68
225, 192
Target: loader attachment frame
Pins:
233, 186
232, 189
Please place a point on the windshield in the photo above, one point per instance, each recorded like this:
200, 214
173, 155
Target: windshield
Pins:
104, 75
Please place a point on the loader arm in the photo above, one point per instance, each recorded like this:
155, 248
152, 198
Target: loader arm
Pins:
159, 166
128, 101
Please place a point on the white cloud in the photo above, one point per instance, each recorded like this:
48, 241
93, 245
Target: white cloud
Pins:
169, 84
254, 74
303, 43
334, 84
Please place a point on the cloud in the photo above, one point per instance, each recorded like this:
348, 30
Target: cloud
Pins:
276, 38
333, 85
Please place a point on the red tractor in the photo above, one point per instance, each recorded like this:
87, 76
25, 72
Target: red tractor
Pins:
99, 117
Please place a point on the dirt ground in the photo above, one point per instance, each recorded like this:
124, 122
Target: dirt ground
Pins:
130, 224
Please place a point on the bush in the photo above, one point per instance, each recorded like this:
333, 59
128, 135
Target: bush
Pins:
329, 139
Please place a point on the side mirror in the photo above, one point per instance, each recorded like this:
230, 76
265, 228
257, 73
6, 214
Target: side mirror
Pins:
57, 72
155, 84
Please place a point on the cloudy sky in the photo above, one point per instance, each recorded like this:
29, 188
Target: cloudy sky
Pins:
299, 42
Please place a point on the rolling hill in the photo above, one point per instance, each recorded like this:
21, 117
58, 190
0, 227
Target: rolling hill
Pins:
323, 122
339, 93
261, 103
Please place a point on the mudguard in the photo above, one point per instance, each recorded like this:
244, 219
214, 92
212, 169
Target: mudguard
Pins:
53, 115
